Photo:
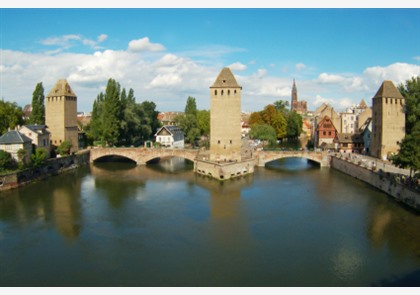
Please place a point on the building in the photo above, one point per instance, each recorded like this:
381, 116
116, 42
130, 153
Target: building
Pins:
13, 141
168, 118
170, 136
388, 121
348, 122
366, 132
61, 115
299, 106
39, 135
225, 118
325, 132
349, 143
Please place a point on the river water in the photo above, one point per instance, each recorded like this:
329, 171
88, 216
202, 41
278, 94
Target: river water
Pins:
289, 224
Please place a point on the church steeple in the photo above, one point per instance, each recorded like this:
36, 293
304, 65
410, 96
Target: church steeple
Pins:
294, 92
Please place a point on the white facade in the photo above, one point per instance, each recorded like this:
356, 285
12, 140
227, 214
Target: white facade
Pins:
170, 136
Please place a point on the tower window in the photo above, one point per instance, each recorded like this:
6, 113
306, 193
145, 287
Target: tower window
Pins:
234, 92
215, 92
228, 92
231, 141
222, 92
218, 142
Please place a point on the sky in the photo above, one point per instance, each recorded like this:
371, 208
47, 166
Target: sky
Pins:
336, 55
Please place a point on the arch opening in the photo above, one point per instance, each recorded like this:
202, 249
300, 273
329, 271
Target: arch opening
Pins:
115, 159
292, 164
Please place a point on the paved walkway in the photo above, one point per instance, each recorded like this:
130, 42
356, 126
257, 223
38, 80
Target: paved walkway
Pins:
386, 166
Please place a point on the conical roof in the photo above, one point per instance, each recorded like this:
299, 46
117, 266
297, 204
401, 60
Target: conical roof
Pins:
363, 104
388, 90
61, 88
225, 79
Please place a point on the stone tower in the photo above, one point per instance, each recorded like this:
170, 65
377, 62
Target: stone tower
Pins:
388, 120
61, 114
225, 118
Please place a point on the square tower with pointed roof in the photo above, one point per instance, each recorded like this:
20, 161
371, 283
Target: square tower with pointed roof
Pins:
225, 118
61, 114
388, 120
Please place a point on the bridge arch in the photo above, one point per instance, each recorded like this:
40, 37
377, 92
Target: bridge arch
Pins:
265, 157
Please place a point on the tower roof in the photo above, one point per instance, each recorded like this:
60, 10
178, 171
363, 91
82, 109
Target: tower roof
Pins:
225, 79
388, 90
61, 88
363, 104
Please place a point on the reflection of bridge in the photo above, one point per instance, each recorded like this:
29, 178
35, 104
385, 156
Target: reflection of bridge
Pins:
267, 156
143, 155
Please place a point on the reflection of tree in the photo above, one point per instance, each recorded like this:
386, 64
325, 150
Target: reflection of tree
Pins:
116, 191
394, 226
56, 199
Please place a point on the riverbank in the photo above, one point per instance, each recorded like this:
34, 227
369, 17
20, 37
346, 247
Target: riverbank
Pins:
382, 180
52, 167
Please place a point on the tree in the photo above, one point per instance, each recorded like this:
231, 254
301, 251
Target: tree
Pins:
294, 125
282, 106
191, 106
255, 118
64, 148
203, 122
409, 153
6, 161
279, 124
39, 157
11, 115
38, 108
263, 132
411, 93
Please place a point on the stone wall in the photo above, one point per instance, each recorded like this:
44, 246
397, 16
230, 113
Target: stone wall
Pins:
380, 180
53, 167
223, 171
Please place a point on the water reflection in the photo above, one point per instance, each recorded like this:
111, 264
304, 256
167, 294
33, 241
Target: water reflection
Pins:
289, 224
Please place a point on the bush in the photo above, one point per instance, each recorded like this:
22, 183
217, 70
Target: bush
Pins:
6, 161
64, 148
39, 157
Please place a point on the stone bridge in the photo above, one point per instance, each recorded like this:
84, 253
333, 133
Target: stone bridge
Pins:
267, 156
143, 155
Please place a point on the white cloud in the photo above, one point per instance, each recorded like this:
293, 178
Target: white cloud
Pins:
330, 78
67, 41
300, 66
237, 66
320, 100
144, 44
397, 72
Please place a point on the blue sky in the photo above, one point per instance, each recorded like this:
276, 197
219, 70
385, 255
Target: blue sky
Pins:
338, 56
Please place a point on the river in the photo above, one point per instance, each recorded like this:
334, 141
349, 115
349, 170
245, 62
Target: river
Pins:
289, 224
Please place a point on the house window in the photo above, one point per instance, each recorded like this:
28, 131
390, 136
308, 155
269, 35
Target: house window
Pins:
329, 133
324, 133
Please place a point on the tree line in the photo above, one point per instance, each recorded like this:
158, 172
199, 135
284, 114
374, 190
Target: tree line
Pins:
275, 122
117, 120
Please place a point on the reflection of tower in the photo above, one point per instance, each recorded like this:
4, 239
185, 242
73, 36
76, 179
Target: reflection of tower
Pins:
225, 118
66, 208
61, 114
388, 121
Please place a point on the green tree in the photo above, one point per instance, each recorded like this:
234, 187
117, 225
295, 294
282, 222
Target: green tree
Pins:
294, 125
263, 132
282, 106
6, 161
203, 122
191, 107
11, 115
64, 148
409, 153
279, 124
411, 93
38, 107
39, 157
